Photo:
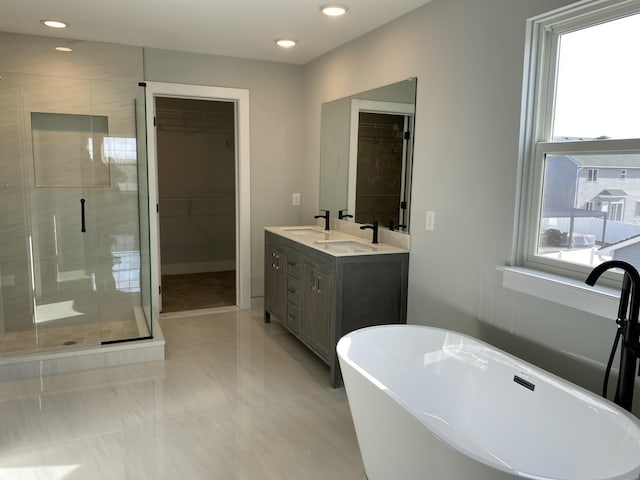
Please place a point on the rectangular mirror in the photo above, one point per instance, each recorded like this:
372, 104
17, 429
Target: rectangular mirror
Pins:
366, 155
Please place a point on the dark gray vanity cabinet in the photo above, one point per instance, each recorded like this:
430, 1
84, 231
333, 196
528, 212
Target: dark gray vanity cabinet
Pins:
320, 297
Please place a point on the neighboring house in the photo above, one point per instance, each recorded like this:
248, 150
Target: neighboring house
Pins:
627, 250
604, 183
590, 199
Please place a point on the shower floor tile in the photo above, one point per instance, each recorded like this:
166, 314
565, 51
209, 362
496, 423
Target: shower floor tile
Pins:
51, 338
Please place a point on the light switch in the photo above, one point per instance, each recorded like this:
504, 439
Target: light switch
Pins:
295, 199
430, 221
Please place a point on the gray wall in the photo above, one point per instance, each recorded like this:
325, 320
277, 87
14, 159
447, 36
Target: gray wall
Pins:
468, 58
276, 106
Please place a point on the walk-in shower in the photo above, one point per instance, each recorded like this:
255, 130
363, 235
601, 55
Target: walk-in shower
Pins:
74, 213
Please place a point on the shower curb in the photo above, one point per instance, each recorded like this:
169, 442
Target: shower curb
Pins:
36, 364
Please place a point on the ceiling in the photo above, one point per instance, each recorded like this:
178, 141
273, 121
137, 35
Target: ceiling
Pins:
236, 28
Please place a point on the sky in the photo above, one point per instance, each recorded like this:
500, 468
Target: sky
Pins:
598, 89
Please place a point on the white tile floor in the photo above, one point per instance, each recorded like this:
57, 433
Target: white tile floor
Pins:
234, 399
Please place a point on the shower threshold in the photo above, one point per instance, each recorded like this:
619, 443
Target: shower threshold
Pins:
112, 353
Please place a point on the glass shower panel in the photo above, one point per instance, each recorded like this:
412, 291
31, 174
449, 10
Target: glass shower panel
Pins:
17, 329
79, 236
121, 215
144, 208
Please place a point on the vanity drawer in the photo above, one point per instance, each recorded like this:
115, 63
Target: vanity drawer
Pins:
293, 264
294, 291
293, 318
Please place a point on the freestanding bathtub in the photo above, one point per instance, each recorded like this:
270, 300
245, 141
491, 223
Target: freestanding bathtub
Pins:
433, 404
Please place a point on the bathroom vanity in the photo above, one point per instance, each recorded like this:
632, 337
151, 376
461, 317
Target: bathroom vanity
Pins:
321, 285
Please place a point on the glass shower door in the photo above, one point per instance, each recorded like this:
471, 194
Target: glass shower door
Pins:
64, 242
83, 235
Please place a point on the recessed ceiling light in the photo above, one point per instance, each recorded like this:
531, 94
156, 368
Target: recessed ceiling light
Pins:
286, 43
54, 23
333, 10
64, 49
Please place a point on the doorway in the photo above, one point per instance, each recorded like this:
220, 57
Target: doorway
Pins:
239, 223
380, 165
380, 168
196, 185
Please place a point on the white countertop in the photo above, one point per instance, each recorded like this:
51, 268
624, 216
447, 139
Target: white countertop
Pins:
334, 242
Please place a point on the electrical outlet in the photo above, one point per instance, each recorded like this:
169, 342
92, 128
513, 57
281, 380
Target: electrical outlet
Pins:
295, 199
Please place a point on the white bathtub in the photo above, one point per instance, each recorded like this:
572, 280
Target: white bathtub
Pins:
432, 404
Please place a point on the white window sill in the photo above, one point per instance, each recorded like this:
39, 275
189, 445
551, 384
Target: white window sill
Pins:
602, 301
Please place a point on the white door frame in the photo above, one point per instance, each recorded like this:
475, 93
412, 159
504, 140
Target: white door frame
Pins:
243, 200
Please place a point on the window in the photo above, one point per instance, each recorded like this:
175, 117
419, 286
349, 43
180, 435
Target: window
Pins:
580, 137
616, 210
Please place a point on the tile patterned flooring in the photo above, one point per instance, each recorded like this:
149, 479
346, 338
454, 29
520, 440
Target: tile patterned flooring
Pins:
195, 291
234, 399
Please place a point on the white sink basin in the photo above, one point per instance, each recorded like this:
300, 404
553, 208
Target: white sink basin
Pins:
346, 246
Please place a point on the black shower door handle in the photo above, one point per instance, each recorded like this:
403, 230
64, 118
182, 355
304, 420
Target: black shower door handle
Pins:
82, 228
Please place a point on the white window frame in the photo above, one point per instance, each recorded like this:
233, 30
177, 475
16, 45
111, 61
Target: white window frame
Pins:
592, 175
541, 61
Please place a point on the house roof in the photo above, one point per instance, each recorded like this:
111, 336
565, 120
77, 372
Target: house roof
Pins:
613, 192
624, 243
631, 160
571, 212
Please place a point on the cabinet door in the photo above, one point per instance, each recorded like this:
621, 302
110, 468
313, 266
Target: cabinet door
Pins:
275, 285
322, 310
316, 318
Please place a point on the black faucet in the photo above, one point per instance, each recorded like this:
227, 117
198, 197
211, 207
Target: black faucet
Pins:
342, 214
373, 227
393, 225
628, 329
326, 218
